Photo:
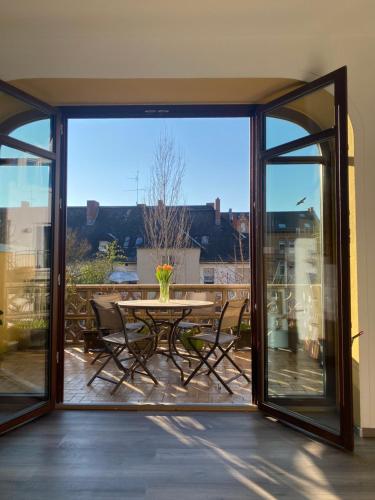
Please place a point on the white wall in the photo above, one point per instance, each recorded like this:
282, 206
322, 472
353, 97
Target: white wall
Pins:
186, 265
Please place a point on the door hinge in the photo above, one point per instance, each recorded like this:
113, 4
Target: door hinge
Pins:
57, 357
61, 129
59, 279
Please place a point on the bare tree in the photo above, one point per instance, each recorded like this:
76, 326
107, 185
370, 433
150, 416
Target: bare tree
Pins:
238, 270
77, 248
166, 219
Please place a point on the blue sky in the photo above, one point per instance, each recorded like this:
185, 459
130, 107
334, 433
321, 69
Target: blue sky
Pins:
104, 155
216, 154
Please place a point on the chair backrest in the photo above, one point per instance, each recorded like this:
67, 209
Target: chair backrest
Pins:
231, 316
203, 312
106, 313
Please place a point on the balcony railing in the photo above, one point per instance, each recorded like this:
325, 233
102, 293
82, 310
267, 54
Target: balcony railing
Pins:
79, 317
289, 306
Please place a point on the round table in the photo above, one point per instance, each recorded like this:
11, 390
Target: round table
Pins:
179, 310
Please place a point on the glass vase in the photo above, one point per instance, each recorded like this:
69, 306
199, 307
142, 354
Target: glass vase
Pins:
164, 291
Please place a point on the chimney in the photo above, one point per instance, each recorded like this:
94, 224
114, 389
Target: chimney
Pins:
92, 212
230, 215
212, 205
217, 212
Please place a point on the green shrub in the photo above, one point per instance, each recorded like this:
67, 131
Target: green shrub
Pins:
33, 324
185, 335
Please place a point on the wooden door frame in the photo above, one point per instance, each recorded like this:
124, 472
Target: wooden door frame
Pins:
127, 111
41, 109
260, 157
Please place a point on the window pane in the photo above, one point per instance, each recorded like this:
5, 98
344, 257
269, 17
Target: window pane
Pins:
22, 121
25, 276
301, 117
37, 133
300, 272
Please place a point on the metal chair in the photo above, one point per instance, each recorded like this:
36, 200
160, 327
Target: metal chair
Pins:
108, 298
111, 320
208, 313
222, 338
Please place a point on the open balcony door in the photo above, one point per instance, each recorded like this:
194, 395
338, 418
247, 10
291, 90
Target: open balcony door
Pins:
29, 211
300, 233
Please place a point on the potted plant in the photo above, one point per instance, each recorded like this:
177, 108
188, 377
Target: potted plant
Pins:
186, 337
245, 336
30, 333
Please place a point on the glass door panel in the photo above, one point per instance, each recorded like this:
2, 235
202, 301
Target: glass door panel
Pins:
27, 179
302, 277
25, 270
297, 118
300, 270
22, 121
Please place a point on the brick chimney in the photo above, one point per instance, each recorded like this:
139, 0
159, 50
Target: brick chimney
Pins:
92, 212
217, 212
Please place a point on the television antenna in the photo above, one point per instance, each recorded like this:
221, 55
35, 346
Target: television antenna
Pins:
137, 189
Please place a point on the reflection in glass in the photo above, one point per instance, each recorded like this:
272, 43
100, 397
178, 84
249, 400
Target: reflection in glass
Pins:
21, 121
299, 118
25, 245
300, 278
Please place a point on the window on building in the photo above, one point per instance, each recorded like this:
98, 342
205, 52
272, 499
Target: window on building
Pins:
244, 227
168, 259
127, 242
282, 245
208, 275
282, 226
138, 241
204, 240
103, 246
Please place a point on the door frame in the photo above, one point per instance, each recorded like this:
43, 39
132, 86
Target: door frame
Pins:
59, 156
260, 157
54, 114
130, 111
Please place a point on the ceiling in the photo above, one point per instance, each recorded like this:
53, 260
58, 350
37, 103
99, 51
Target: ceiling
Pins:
120, 40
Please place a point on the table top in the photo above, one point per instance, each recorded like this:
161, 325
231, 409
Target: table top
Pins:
171, 304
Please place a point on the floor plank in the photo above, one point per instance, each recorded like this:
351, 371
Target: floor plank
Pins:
152, 456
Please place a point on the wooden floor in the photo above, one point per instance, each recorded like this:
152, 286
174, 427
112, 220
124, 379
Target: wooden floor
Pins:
106, 455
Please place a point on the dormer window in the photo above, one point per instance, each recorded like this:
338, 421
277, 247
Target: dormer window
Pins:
244, 227
103, 246
138, 241
282, 245
127, 242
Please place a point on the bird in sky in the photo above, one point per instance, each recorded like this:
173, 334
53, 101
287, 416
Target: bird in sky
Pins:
301, 201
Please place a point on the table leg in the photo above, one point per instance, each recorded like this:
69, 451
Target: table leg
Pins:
172, 341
